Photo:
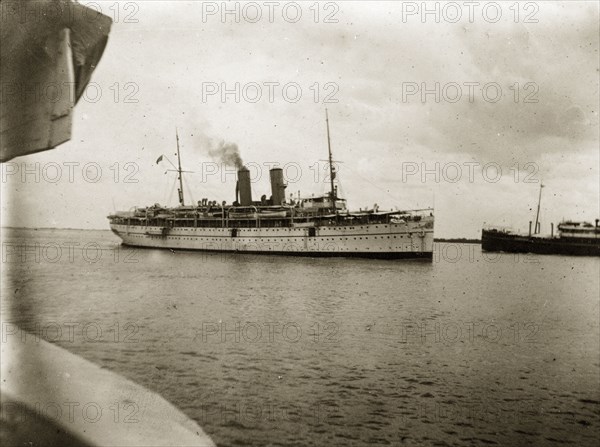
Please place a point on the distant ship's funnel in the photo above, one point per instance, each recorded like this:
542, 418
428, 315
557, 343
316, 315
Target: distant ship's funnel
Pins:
245, 187
277, 186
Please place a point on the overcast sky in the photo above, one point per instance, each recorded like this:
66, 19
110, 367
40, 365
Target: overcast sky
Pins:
518, 95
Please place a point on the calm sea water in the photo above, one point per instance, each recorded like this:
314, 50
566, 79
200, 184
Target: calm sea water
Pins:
470, 349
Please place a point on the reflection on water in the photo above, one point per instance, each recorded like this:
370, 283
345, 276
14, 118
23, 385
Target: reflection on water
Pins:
471, 349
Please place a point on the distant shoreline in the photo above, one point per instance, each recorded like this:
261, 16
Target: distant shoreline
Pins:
458, 240
53, 228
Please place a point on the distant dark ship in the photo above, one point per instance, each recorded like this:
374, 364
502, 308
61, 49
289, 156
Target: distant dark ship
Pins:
573, 238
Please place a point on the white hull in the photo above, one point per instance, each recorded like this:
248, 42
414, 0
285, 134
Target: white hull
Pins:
413, 239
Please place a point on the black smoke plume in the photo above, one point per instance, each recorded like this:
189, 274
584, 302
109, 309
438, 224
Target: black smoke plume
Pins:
227, 153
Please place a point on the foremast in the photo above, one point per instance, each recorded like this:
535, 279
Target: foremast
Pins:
537, 215
179, 171
331, 168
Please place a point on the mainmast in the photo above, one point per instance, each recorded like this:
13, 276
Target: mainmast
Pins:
179, 172
537, 216
331, 168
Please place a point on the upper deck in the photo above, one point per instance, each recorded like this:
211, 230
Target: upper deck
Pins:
585, 230
261, 217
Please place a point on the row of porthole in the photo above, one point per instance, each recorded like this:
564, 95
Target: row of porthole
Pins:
195, 239
346, 238
335, 238
267, 229
257, 229
268, 240
211, 239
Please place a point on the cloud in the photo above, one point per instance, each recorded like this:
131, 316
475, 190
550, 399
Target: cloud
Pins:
370, 56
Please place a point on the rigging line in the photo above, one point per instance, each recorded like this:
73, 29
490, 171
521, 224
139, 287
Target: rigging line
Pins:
373, 184
504, 215
341, 191
187, 185
167, 158
191, 172
211, 191
171, 193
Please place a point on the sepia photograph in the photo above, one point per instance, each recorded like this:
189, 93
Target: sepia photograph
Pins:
299, 223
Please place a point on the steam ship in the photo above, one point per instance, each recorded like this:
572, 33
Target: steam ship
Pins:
315, 226
573, 238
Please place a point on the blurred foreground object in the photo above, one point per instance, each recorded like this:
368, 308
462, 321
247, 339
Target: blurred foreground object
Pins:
52, 397
48, 52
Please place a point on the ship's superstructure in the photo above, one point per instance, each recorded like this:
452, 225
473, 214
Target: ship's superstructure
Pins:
315, 226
